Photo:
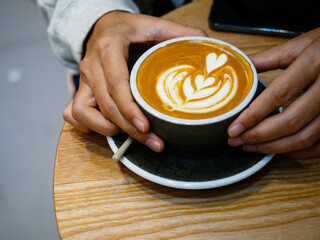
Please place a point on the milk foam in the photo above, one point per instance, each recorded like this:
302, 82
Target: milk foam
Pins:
200, 94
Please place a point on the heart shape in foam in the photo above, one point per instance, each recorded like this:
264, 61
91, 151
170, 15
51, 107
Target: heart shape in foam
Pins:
214, 62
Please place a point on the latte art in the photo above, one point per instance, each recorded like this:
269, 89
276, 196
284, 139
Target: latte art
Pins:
194, 79
181, 90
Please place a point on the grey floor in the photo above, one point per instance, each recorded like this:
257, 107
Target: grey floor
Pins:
33, 94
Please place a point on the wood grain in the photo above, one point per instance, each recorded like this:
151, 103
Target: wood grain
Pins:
96, 198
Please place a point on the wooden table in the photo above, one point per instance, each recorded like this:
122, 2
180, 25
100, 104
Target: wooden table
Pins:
95, 198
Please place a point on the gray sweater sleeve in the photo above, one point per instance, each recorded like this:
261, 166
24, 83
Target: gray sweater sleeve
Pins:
69, 22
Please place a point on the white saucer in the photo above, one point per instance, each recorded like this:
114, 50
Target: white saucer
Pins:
184, 170
132, 161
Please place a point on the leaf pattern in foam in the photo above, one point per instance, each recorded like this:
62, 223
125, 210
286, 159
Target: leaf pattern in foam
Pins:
203, 87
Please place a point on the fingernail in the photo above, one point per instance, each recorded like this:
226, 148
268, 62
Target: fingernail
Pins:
153, 144
236, 130
139, 124
235, 142
250, 148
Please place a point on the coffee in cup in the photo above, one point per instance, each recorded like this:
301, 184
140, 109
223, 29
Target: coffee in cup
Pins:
194, 79
192, 88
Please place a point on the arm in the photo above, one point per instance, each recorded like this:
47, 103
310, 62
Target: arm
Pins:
71, 20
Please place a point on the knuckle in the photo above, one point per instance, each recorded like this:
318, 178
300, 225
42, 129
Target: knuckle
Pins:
126, 112
112, 86
306, 140
108, 110
286, 57
133, 132
66, 114
106, 41
103, 43
117, 83
251, 115
279, 96
253, 137
84, 66
77, 112
293, 124
314, 52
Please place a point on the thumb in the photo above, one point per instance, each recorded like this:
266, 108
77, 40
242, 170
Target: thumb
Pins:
153, 29
173, 29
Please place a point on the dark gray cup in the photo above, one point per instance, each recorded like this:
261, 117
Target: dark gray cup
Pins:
186, 134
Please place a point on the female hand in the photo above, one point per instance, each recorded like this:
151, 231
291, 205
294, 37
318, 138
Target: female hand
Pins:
104, 102
295, 131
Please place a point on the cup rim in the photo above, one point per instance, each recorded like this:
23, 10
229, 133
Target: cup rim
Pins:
138, 98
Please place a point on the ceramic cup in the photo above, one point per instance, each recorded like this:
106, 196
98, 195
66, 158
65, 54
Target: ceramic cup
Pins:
207, 84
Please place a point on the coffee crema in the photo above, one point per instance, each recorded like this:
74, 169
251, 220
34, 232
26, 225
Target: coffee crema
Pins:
194, 79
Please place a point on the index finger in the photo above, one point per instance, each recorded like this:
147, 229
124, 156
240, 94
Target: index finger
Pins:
114, 62
284, 54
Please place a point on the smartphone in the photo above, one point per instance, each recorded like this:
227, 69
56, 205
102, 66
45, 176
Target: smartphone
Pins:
272, 17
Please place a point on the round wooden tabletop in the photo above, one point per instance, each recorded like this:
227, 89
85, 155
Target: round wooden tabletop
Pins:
95, 198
